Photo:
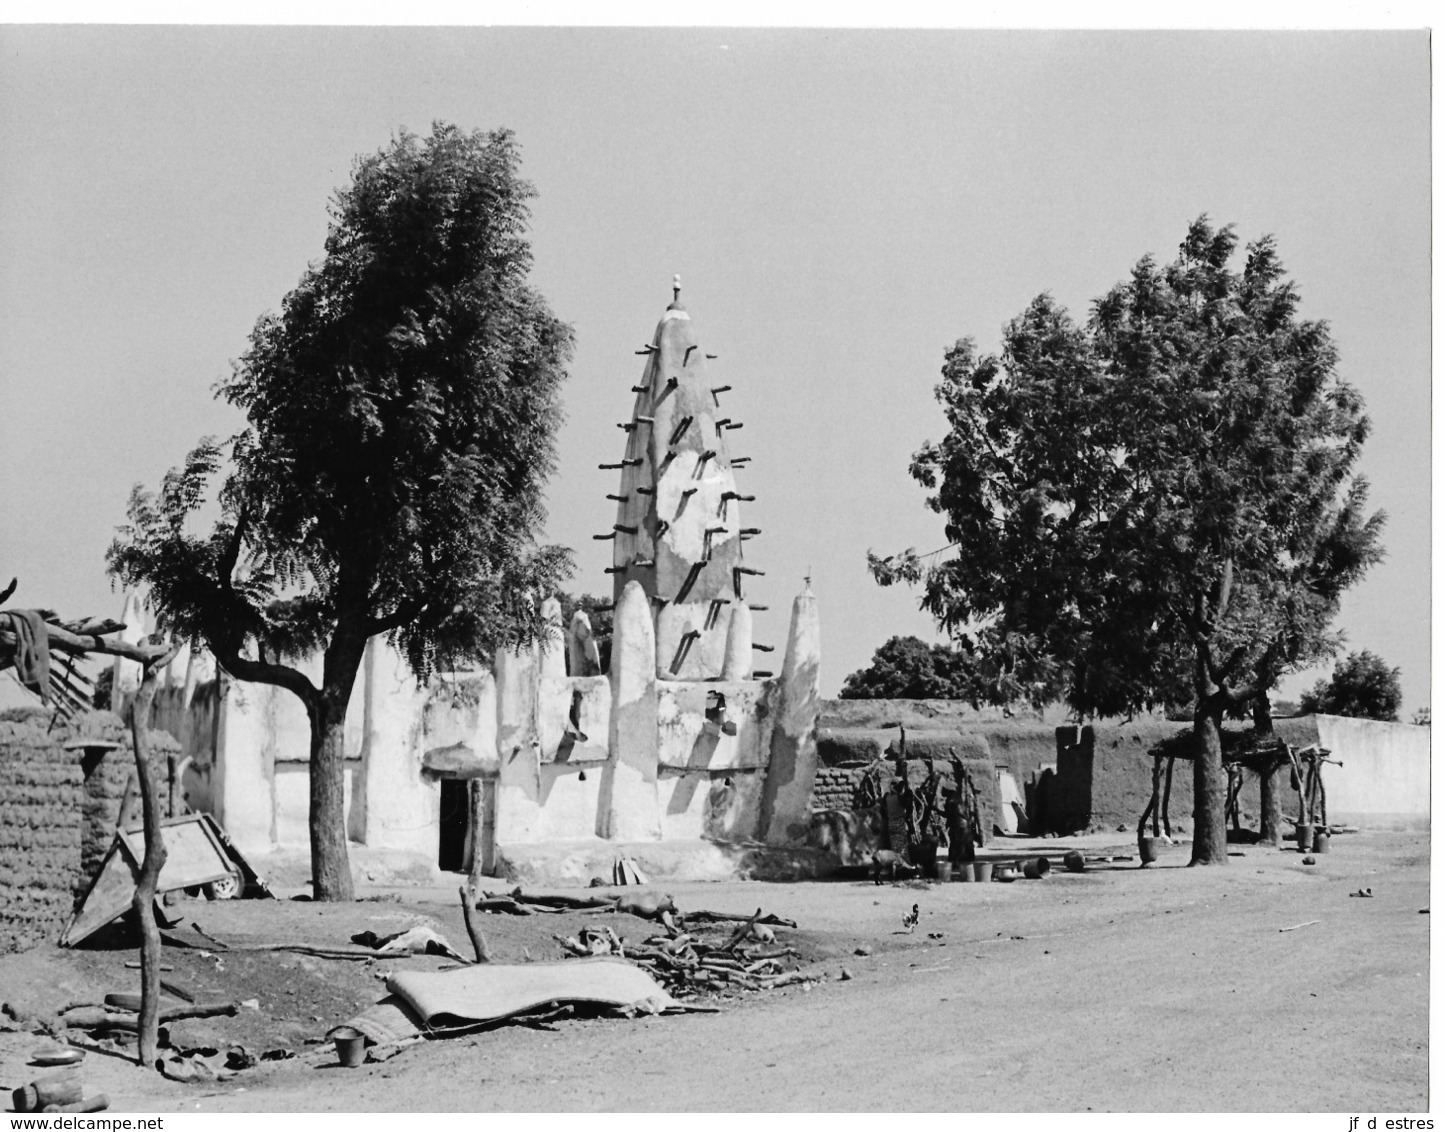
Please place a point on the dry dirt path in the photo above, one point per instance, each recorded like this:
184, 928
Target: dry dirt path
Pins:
1161, 989
1167, 989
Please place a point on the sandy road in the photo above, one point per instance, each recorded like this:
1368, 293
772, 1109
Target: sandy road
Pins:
1167, 989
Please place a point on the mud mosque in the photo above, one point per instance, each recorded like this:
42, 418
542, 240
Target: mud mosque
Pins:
547, 765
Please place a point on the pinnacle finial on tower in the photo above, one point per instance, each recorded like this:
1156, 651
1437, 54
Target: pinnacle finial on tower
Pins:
676, 288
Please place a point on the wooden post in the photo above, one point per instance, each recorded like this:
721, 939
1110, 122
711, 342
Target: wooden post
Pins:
1154, 797
143, 902
1153, 806
479, 940
1231, 805
1299, 781
1168, 782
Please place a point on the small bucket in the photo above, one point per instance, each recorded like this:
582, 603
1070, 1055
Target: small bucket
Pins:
1148, 850
1036, 868
1322, 841
983, 871
964, 872
350, 1046
1304, 836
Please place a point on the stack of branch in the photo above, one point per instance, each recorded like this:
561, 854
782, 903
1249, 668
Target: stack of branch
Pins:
68, 689
121, 1012
688, 965
518, 903
71, 691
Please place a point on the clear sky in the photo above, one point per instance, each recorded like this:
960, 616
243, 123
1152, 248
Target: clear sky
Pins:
841, 205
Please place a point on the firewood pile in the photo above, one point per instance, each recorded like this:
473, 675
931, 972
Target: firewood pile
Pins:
688, 965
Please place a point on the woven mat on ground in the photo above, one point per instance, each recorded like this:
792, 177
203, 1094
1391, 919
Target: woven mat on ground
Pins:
496, 990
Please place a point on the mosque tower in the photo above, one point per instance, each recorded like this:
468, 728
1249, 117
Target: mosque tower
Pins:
679, 531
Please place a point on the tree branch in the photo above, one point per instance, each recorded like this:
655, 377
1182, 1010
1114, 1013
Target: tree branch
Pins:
91, 626
1199, 626
228, 655
1225, 591
78, 644
1244, 691
1227, 668
404, 614
226, 565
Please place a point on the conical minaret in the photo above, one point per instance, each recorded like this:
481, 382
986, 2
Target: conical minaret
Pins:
679, 530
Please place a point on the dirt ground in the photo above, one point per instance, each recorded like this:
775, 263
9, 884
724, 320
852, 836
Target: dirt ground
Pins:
1123, 989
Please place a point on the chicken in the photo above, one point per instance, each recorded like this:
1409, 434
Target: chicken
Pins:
910, 919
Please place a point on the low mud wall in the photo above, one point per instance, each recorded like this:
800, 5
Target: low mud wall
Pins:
40, 822
1105, 772
58, 813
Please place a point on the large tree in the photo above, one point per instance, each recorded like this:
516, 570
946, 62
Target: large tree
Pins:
907, 668
401, 411
1333, 549
1362, 685
1157, 508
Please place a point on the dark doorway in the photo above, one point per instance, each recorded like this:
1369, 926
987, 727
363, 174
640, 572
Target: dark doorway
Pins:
455, 817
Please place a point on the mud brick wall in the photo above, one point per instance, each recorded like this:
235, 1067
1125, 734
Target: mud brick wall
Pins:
58, 812
834, 785
105, 775
40, 820
1106, 771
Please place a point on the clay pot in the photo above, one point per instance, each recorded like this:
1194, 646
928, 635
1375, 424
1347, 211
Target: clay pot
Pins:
1036, 868
1148, 850
1322, 841
1304, 836
350, 1046
1074, 861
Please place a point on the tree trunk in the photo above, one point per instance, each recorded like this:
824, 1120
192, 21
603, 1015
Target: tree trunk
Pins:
330, 861
1210, 787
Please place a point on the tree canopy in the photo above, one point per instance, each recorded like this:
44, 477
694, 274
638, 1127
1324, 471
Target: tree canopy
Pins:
1157, 508
401, 409
1362, 685
906, 668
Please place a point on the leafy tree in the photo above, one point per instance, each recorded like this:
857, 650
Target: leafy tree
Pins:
1156, 508
905, 668
1332, 549
401, 409
1362, 686
1421, 718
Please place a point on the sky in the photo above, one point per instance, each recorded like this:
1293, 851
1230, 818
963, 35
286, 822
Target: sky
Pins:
841, 206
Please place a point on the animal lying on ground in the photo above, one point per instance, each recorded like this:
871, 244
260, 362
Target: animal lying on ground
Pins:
888, 859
